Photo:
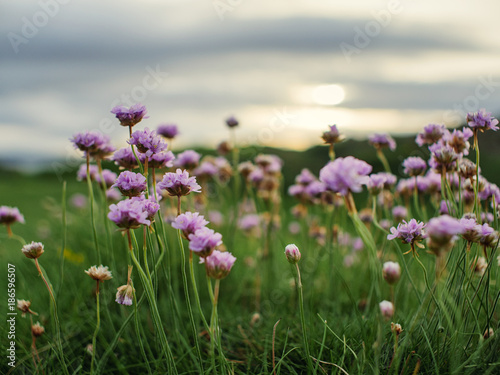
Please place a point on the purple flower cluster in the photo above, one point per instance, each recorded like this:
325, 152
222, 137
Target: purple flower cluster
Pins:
125, 158
163, 159
375, 183
130, 116
179, 183
414, 166
95, 144
131, 213
218, 264
147, 142
443, 157
232, 122
380, 141
307, 187
189, 223
344, 175
431, 134
168, 131
459, 140
188, 159
332, 136
408, 232
442, 231
482, 121
10, 215
203, 241
131, 184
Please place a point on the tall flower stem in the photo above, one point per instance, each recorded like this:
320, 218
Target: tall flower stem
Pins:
91, 195
303, 319
188, 300
383, 160
476, 190
59, 350
98, 324
157, 320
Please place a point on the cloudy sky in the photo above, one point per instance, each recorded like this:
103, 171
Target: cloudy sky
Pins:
285, 68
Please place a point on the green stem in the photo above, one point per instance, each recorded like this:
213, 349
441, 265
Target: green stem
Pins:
303, 320
56, 319
91, 195
157, 320
63, 243
188, 300
98, 324
195, 289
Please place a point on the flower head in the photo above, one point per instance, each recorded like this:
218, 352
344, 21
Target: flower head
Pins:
179, 183
414, 166
189, 223
249, 223
375, 183
332, 136
431, 134
129, 213
409, 232
24, 307
292, 253
459, 140
147, 142
204, 241
345, 174
443, 156
125, 158
482, 121
131, 184
125, 293
10, 215
386, 309
100, 273
130, 116
149, 205
164, 159
168, 131
37, 329
232, 122
380, 141
188, 159
94, 143
442, 232
33, 250
218, 264
391, 272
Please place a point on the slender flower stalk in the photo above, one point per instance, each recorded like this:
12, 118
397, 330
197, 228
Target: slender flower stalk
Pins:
34, 251
155, 314
186, 294
293, 256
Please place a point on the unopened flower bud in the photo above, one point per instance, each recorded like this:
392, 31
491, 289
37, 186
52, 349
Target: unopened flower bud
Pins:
386, 309
391, 272
292, 253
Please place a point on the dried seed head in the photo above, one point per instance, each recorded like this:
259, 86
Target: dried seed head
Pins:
100, 273
33, 250
37, 329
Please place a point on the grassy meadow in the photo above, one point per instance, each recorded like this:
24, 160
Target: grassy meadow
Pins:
252, 320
